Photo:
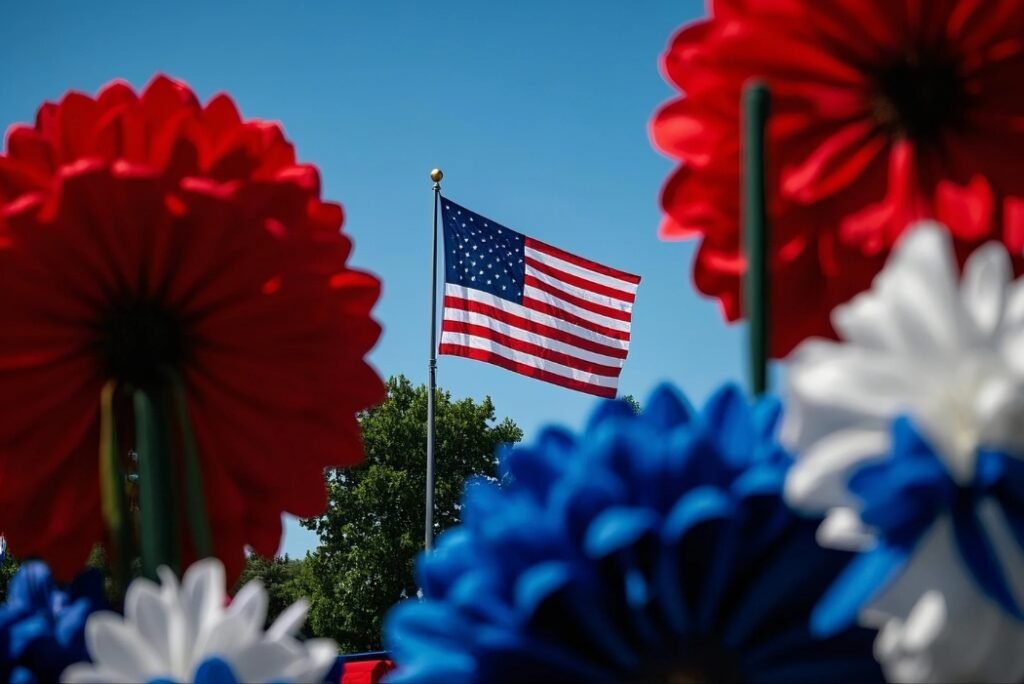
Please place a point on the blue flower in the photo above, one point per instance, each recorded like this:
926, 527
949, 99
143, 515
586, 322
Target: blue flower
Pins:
42, 627
902, 498
651, 548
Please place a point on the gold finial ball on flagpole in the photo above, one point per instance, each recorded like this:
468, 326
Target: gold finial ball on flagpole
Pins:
436, 175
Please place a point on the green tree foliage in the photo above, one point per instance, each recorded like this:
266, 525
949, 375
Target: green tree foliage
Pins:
281, 577
373, 528
8, 569
633, 403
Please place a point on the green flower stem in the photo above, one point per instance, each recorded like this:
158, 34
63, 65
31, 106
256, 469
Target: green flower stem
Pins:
112, 490
195, 500
157, 503
756, 103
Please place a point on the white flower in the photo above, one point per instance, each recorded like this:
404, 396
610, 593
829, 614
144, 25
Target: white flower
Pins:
949, 353
936, 627
168, 631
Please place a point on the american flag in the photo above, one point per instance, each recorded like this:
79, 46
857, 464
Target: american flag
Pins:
532, 308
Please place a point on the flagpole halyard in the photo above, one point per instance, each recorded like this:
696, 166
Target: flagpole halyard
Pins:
756, 294
428, 536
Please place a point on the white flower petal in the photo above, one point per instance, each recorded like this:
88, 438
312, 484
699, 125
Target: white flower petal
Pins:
87, 673
926, 621
290, 621
119, 648
250, 603
843, 529
231, 634
984, 290
202, 599
267, 661
817, 481
320, 657
159, 624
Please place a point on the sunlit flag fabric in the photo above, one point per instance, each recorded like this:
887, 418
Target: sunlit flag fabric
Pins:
532, 308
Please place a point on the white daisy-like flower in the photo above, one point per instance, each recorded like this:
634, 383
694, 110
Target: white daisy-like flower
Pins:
923, 342
190, 633
946, 353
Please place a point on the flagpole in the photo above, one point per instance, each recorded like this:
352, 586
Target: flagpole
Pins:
428, 536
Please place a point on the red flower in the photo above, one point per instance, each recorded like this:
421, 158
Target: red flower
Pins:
883, 112
148, 232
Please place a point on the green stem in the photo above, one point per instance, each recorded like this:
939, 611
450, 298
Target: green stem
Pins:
195, 498
156, 476
112, 491
756, 103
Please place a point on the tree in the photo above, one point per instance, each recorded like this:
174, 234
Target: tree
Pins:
281, 578
373, 528
633, 403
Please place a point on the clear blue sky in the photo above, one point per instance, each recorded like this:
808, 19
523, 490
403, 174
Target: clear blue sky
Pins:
537, 111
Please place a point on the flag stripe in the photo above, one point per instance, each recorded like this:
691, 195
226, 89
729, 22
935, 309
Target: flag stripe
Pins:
618, 310
612, 338
572, 269
450, 342
580, 262
538, 267
610, 317
541, 303
459, 319
526, 369
452, 332
457, 308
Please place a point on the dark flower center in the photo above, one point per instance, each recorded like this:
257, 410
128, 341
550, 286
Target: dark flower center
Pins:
708, 663
140, 340
919, 97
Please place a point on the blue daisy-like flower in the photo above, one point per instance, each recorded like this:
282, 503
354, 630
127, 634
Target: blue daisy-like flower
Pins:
42, 626
652, 548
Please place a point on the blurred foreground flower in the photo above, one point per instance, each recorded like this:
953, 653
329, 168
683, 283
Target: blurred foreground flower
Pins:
173, 633
42, 627
652, 548
149, 243
910, 433
883, 112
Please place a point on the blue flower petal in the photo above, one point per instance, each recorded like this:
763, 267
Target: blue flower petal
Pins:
666, 409
868, 574
728, 418
215, 671
685, 586
611, 410
32, 586
618, 528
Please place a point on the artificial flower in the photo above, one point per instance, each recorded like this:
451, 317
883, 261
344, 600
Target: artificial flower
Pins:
146, 234
42, 626
910, 432
185, 633
651, 548
883, 112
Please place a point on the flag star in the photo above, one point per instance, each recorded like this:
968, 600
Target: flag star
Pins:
464, 225
488, 282
459, 213
470, 218
472, 278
